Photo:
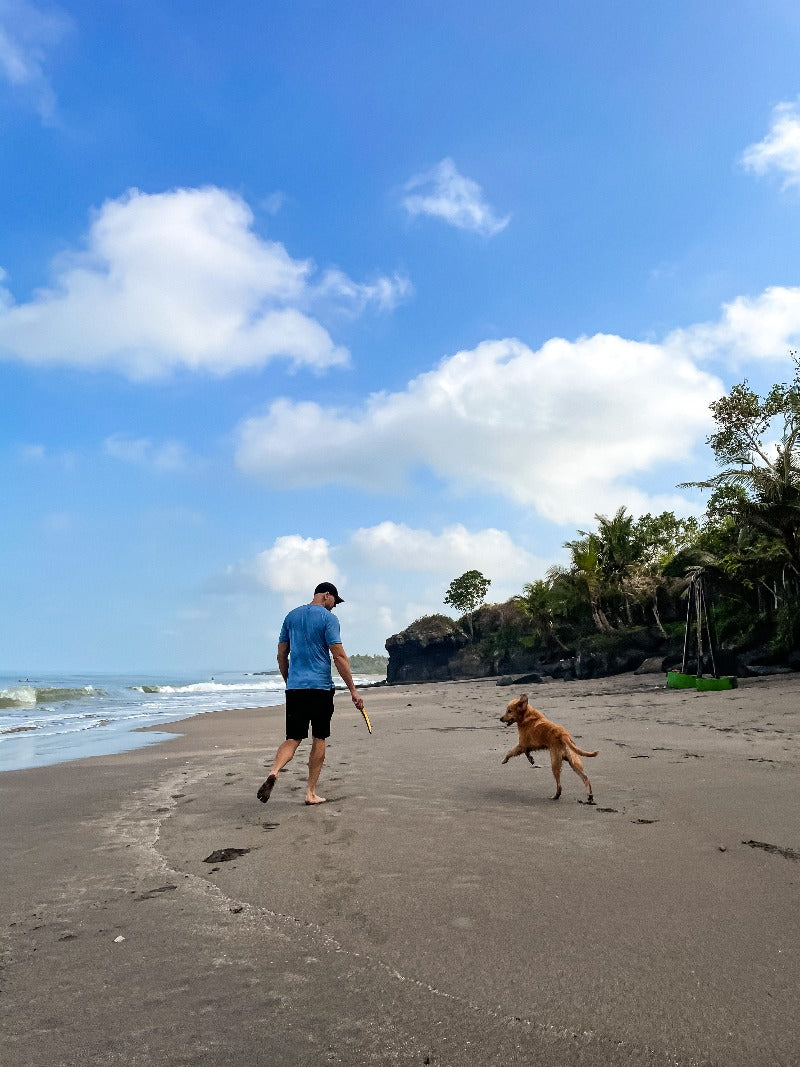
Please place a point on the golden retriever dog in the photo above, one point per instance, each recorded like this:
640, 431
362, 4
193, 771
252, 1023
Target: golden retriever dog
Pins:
536, 732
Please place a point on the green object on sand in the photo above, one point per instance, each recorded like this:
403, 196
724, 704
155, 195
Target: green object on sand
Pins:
713, 684
677, 680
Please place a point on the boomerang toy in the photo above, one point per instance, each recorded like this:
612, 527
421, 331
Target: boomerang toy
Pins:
366, 719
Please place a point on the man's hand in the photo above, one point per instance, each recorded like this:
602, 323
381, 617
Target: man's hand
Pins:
359, 703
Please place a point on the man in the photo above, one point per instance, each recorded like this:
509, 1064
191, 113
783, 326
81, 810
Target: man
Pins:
309, 637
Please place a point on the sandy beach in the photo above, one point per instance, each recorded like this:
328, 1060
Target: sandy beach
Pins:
439, 909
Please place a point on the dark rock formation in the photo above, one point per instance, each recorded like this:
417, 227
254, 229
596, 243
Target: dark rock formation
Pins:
423, 651
524, 679
497, 643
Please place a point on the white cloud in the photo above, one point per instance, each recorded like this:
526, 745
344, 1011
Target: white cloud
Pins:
402, 573
780, 149
385, 293
562, 429
567, 429
391, 545
166, 456
28, 35
445, 194
294, 566
180, 280
762, 327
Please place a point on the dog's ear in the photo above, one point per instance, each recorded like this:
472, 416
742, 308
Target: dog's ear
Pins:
523, 701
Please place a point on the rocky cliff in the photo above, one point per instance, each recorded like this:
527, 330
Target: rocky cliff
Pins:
495, 642
424, 650
437, 648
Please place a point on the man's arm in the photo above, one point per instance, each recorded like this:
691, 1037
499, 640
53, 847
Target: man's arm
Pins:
342, 664
283, 659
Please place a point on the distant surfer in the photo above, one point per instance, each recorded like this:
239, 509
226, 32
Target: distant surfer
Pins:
308, 638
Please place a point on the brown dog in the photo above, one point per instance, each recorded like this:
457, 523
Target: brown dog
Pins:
537, 732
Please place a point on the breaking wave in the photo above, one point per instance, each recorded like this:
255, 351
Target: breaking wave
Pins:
215, 687
28, 696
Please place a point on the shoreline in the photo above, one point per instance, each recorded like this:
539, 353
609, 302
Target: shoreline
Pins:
439, 905
79, 717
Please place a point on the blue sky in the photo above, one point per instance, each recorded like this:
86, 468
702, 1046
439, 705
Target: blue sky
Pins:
366, 292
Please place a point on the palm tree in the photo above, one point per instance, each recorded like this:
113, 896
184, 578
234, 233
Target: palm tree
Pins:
540, 604
620, 550
588, 573
762, 479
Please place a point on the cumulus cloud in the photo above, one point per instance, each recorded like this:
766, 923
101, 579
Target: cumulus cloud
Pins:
402, 573
562, 429
179, 280
385, 293
294, 566
762, 327
780, 149
28, 35
456, 549
444, 193
566, 429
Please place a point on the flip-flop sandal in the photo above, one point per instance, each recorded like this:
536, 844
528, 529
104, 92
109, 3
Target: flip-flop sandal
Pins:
266, 788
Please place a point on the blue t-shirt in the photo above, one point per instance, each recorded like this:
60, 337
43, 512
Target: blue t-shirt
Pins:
309, 631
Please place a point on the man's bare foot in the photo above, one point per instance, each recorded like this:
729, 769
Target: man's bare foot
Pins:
266, 788
316, 800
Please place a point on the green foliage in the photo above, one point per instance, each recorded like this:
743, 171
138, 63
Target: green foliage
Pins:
615, 640
626, 579
757, 443
467, 593
433, 624
787, 628
734, 621
364, 664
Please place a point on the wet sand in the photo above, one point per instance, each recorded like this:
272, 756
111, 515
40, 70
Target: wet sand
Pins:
439, 909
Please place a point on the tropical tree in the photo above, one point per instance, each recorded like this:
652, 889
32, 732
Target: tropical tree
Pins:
660, 539
586, 571
755, 502
619, 550
467, 593
541, 605
620, 566
757, 443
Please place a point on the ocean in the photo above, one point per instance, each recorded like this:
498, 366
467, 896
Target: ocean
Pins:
51, 718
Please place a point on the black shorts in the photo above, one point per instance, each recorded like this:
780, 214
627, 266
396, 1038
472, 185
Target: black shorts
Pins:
308, 706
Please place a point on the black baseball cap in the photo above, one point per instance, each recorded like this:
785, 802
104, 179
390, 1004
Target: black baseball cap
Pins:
328, 587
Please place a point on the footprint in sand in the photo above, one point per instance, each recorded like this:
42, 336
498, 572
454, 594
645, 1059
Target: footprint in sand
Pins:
149, 894
776, 850
223, 855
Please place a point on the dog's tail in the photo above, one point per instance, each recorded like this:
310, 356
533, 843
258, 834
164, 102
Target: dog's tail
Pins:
580, 751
